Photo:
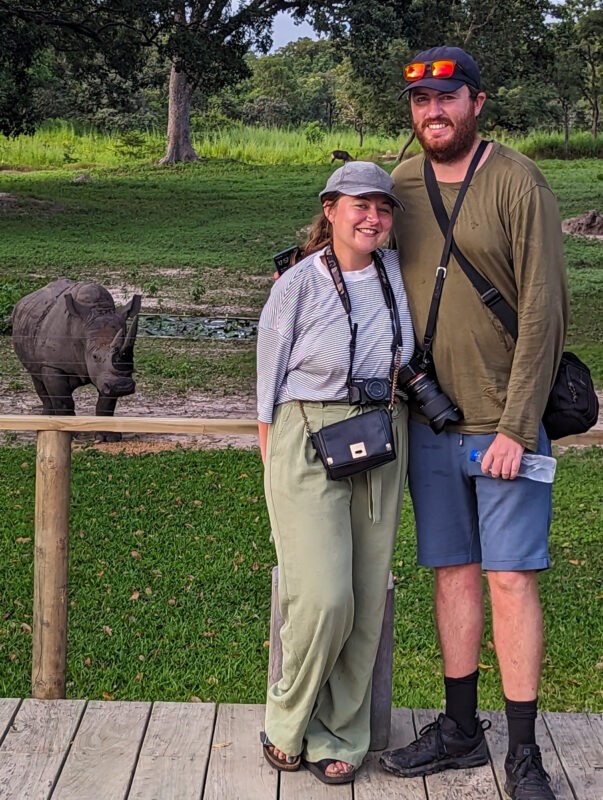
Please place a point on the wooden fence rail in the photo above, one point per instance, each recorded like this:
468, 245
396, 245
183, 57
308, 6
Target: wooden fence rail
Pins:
52, 497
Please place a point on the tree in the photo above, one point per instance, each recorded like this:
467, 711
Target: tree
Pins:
205, 42
101, 38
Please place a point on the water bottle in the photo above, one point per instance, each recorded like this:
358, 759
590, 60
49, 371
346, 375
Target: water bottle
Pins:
533, 466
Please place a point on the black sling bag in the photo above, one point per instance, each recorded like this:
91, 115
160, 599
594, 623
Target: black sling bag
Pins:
573, 405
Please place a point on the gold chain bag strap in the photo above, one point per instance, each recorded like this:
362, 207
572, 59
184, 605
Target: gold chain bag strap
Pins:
366, 440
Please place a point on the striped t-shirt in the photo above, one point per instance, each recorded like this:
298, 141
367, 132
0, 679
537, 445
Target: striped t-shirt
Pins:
304, 336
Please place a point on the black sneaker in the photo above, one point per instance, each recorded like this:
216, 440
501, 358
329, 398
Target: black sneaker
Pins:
441, 745
526, 777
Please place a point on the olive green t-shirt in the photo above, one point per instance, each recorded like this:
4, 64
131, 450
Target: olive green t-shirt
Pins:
509, 229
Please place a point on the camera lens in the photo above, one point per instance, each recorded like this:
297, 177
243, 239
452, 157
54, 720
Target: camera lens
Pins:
377, 389
433, 403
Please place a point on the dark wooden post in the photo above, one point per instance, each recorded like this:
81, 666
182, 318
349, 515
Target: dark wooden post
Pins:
381, 701
53, 490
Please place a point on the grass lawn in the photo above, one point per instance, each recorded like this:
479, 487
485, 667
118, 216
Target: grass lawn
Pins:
170, 559
203, 234
170, 583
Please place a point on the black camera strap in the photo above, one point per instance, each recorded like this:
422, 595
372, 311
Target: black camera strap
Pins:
390, 302
448, 243
489, 294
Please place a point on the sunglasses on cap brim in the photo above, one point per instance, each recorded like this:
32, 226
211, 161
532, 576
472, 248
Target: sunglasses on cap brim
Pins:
444, 68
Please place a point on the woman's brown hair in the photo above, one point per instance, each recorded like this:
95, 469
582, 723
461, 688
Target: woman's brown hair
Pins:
320, 230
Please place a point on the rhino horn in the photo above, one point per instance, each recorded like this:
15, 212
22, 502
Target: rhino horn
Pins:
127, 350
118, 340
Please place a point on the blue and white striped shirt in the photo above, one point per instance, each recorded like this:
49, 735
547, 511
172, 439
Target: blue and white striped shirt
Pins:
304, 337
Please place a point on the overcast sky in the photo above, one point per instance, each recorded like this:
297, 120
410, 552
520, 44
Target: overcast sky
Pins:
285, 31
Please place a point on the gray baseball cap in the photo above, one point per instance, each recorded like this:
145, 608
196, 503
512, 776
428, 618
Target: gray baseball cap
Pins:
357, 178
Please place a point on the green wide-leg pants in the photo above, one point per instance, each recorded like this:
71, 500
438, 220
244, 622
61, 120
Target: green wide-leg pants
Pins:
334, 543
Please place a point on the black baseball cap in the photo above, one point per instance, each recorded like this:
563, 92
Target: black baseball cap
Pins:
465, 71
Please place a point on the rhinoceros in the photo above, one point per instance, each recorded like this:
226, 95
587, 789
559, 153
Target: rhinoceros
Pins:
69, 334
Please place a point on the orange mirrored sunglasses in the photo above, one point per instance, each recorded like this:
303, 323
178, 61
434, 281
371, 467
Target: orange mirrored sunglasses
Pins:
437, 69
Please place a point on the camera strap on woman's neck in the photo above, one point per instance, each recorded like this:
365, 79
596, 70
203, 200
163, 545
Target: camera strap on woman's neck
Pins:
390, 302
443, 265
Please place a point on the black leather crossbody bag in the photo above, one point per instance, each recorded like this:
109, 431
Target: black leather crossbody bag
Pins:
573, 405
366, 440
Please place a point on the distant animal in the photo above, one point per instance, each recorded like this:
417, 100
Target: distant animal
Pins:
70, 334
341, 155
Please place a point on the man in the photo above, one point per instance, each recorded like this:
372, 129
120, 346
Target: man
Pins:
473, 517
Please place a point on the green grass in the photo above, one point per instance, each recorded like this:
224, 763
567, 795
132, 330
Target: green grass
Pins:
170, 562
57, 144
170, 583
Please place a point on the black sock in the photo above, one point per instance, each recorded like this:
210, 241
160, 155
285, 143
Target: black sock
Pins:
461, 701
521, 721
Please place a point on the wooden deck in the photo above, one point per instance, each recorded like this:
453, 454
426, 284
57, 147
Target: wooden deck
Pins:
96, 750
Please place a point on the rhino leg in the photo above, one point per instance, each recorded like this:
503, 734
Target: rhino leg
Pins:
58, 390
43, 395
105, 407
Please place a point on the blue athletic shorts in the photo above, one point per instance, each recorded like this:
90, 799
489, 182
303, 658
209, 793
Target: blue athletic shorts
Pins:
464, 517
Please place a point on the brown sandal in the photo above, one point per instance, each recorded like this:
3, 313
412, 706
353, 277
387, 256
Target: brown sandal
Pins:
289, 764
319, 768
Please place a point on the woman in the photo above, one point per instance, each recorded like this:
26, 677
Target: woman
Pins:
334, 539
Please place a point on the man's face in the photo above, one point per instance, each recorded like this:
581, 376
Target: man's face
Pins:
445, 123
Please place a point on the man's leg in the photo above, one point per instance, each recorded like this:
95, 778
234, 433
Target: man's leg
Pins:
445, 506
459, 617
518, 637
514, 527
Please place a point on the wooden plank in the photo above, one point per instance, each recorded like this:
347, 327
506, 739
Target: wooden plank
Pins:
302, 785
478, 783
8, 707
35, 747
578, 739
175, 752
381, 688
497, 739
237, 768
33, 422
104, 752
374, 783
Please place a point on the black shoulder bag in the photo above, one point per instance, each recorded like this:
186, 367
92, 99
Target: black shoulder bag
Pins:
573, 405
364, 441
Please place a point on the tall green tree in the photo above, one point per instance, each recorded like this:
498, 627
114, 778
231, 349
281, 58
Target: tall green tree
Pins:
204, 42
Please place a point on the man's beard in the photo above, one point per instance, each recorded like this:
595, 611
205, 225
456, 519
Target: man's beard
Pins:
454, 149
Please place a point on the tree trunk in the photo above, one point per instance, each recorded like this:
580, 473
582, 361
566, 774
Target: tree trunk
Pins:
566, 130
179, 145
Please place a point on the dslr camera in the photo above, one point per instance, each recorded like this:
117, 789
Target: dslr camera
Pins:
369, 390
414, 379
286, 258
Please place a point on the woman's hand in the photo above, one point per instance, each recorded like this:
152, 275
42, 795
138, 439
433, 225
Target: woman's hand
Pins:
263, 434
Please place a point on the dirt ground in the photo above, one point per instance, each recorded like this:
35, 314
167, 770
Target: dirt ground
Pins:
589, 224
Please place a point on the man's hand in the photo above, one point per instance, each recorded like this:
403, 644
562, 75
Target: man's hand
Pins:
502, 458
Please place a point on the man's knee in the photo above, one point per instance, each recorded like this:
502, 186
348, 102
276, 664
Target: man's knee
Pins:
460, 577
512, 584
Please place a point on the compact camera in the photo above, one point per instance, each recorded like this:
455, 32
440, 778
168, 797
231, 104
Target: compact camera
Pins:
369, 390
286, 258
414, 379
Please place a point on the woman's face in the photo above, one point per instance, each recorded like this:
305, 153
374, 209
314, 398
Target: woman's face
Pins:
360, 224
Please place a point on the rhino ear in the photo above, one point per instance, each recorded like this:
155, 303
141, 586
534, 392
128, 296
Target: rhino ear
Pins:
73, 307
132, 308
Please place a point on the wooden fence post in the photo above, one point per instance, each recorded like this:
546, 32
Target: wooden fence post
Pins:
53, 490
381, 698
